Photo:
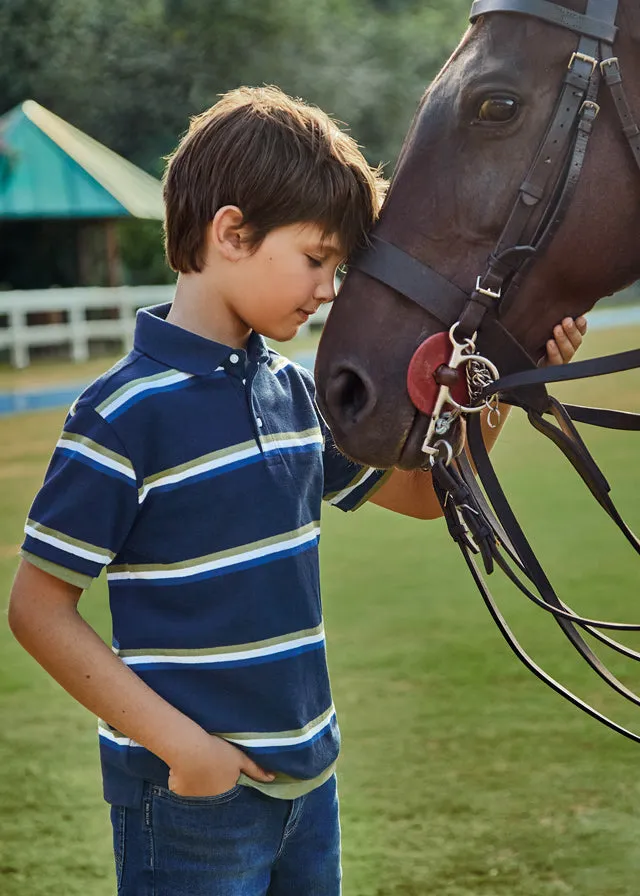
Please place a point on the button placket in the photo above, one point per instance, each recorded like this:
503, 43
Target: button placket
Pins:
254, 409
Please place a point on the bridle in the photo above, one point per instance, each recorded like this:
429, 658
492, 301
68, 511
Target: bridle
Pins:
472, 323
476, 315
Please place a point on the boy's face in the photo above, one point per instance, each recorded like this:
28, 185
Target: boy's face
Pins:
277, 287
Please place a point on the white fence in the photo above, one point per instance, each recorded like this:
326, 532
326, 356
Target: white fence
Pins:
69, 318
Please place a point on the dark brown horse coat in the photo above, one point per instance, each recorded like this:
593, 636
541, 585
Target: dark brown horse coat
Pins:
473, 139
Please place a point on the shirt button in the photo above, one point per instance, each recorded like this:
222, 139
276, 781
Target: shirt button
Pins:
259, 422
234, 358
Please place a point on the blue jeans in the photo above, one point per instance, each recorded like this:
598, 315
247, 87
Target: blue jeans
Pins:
240, 843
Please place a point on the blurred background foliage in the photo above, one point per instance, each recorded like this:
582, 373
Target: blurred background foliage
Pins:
131, 74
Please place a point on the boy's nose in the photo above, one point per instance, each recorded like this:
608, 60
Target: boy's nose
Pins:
326, 291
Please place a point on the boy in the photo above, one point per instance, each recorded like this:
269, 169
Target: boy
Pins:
194, 470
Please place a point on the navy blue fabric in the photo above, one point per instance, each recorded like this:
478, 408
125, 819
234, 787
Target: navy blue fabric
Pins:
195, 472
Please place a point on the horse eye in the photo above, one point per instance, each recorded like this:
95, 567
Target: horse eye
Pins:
498, 109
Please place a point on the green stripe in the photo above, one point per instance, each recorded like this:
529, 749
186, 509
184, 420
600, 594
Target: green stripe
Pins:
67, 539
203, 459
359, 475
251, 735
59, 572
214, 651
374, 488
274, 735
283, 436
284, 787
157, 377
99, 449
277, 364
218, 555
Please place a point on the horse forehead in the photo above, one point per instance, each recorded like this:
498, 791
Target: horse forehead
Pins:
502, 47
513, 44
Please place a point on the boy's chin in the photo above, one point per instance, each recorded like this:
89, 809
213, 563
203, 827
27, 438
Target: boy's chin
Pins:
284, 334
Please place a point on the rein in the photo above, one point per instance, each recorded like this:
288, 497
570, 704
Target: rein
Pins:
489, 528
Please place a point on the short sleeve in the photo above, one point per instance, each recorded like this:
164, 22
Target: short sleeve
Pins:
347, 485
88, 502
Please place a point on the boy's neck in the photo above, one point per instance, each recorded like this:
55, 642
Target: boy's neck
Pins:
198, 308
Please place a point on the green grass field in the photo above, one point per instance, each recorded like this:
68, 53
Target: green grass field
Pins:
461, 774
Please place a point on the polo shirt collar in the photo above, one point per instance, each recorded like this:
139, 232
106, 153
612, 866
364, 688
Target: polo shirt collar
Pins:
171, 345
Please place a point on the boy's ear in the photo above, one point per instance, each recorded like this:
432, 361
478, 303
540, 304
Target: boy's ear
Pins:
228, 234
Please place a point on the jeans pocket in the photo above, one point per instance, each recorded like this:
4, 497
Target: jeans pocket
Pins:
119, 821
218, 798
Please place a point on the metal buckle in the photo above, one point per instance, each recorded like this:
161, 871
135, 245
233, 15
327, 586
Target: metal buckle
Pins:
594, 108
583, 58
611, 72
612, 61
487, 292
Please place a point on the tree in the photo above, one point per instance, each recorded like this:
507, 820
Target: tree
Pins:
131, 73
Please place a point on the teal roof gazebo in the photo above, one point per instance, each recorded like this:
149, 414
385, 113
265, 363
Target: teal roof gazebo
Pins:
51, 171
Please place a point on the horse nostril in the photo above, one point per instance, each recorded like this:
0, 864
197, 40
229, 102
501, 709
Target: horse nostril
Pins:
349, 397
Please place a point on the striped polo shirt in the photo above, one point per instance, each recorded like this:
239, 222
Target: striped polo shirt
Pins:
195, 473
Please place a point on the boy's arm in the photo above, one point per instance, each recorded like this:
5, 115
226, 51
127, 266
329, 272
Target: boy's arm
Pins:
411, 492
44, 618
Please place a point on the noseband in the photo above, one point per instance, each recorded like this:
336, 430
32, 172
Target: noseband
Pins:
488, 527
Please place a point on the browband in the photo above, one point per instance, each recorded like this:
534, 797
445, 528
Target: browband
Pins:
557, 15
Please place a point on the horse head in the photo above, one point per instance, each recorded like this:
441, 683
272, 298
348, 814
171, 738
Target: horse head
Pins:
479, 129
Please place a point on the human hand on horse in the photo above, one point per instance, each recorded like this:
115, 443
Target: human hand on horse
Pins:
209, 766
560, 349
567, 339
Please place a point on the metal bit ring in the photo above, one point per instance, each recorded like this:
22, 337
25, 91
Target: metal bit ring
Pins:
438, 447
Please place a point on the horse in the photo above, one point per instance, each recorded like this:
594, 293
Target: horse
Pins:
515, 203
505, 121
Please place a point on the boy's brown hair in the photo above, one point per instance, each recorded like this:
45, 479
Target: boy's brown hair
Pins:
280, 160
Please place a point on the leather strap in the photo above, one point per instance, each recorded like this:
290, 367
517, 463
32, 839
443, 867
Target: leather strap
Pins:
605, 417
577, 371
549, 12
565, 140
613, 78
487, 525
565, 618
392, 266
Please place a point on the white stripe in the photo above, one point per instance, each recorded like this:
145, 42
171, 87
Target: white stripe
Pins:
347, 491
272, 444
260, 742
216, 564
123, 741
144, 387
195, 471
68, 548
81, 448
225, 657
285, 741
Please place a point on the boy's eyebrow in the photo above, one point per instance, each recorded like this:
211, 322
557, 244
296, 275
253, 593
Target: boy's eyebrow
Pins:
330, 249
